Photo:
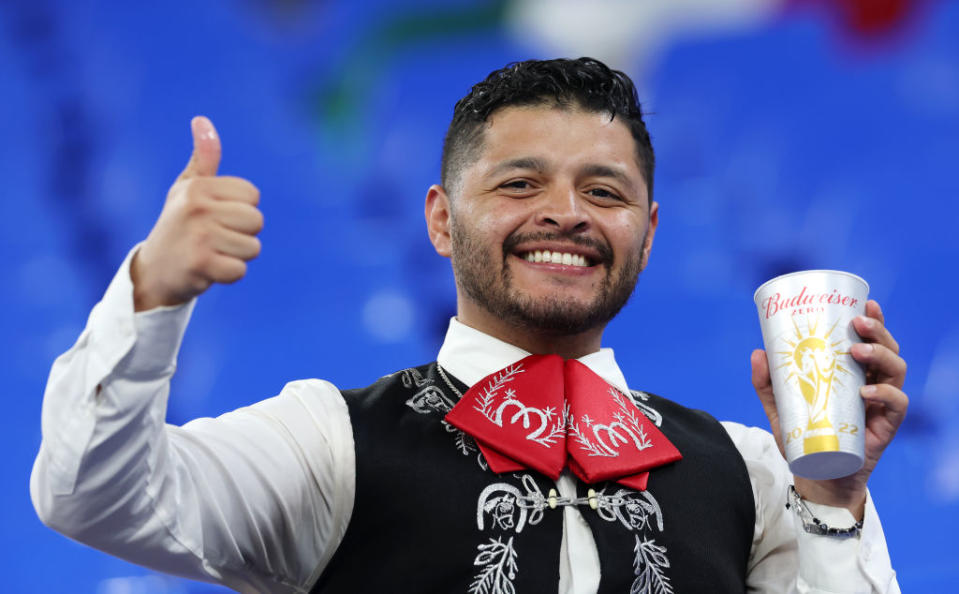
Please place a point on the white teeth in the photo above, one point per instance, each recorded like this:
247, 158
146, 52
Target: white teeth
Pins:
548, 257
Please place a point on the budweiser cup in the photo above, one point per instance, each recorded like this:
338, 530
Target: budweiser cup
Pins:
806, 319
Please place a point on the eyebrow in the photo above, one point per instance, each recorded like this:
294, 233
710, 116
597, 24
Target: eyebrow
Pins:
533, 163
597, 170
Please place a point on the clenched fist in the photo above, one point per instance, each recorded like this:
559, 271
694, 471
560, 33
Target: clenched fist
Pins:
206, 232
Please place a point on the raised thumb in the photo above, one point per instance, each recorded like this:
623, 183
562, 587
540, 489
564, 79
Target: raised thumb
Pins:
205, 159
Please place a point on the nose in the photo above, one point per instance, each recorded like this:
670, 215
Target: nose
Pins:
562, 210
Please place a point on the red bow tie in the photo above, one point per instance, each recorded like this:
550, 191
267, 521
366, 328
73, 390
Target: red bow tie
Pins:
542, 412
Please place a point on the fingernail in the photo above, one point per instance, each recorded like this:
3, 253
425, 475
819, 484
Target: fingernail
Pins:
867, 321
865, 348
868, 391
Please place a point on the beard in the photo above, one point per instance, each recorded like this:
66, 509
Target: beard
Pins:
494, 291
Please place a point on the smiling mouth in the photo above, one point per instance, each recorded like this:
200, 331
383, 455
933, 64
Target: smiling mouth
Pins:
565, 258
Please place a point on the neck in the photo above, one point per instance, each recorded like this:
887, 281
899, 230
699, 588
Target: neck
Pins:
537, 341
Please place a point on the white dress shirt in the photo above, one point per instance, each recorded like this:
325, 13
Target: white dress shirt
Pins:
258, 499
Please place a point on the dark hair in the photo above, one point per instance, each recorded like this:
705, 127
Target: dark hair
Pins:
584, 83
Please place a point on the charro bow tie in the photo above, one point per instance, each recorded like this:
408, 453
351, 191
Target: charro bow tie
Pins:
543, 412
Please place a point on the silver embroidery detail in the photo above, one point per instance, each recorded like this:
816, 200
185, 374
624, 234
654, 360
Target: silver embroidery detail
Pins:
510, 508
648, 566
625, 421
639, 511
464, 443
633, 509
431, 399
498, 562
551, 425
486, 399
412, 378
640, 399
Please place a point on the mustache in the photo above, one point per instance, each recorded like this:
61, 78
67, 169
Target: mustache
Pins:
601, 247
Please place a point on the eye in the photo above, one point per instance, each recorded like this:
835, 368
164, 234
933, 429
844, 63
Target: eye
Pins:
518, 188
605, 194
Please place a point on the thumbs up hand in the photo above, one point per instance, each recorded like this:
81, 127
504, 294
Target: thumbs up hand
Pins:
205, 234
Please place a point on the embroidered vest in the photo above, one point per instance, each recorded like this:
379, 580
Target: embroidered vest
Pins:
430, 517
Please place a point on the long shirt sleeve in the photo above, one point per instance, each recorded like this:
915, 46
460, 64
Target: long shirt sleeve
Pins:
236, 500
784, 557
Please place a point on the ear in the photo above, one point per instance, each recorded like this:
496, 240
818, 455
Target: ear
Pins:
651, 232
438, 214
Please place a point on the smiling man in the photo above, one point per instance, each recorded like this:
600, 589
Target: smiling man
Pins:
518, 461
549, 229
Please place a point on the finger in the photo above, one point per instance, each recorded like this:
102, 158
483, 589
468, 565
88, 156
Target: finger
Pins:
884, 404
887, 366
873, 330
761, 379
894, 400
236, 244
873, 310
228, 187
762, 382
226, 269
205, 160
238, 216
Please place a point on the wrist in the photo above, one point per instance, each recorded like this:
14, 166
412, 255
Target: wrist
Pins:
847, 492
146, 293
813, 525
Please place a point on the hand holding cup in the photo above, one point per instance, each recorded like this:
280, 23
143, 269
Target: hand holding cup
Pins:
880, 391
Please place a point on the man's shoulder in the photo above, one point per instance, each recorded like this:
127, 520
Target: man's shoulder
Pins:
408, 380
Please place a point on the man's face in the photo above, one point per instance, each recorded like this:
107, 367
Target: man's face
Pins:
551, 181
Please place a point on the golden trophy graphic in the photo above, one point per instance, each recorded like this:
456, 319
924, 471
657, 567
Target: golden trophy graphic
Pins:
816, 365
806, 320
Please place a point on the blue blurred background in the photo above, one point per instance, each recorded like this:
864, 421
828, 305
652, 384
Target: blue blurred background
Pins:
790, 134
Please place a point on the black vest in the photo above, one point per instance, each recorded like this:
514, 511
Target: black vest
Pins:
430, 517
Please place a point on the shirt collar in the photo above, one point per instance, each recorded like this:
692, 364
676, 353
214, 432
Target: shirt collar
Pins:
470, 355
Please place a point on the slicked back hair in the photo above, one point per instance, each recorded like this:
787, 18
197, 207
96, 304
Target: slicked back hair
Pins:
584, 83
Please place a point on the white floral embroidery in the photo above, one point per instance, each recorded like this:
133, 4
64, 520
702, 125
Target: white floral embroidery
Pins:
488, 396
624, 428
548, 425
498, 562
648, 565
509, 509
639, 511
464, 443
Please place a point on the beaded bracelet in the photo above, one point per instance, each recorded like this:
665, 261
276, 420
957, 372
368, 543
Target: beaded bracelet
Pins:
814, 525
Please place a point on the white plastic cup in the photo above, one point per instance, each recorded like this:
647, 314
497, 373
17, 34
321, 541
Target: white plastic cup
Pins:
806, 320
